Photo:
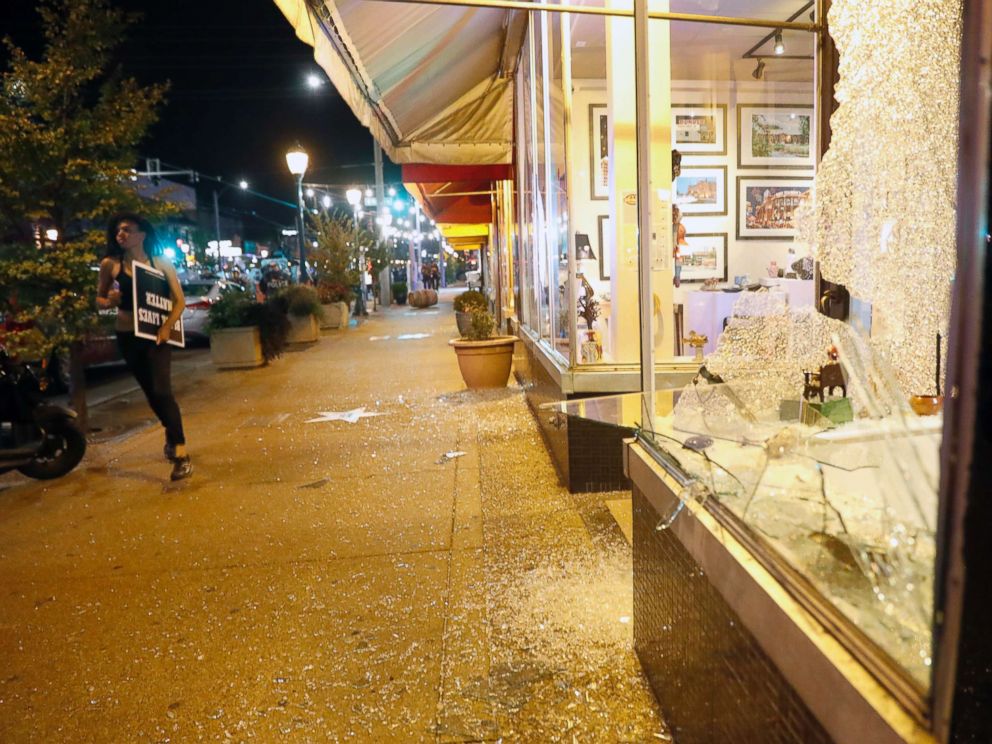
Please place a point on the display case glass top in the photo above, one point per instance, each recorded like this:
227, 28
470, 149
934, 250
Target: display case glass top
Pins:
846, 512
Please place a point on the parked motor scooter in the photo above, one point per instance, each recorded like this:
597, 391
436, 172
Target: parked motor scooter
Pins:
38, 438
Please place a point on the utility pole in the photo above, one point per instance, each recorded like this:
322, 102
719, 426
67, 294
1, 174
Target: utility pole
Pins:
217, 220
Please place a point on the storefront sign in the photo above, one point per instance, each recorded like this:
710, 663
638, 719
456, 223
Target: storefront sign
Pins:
152, 304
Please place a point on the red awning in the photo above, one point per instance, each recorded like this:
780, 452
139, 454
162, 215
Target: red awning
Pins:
455, 194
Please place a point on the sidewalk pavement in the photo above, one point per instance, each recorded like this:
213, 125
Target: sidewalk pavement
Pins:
327, 581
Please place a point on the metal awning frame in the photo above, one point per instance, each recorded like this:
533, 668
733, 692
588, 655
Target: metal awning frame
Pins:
619, 12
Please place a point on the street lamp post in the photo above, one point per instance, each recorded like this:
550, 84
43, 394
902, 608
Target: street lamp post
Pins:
354, 197
297, 160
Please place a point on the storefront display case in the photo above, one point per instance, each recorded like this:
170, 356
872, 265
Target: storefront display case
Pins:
843, 515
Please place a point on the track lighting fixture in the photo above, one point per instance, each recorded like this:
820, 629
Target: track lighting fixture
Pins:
759, 71
779, 44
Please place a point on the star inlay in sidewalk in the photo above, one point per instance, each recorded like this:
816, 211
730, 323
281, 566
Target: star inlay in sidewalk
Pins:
351, 416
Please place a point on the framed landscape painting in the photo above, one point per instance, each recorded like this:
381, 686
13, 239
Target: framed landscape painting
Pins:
775, 136
599, 152
766, 206
705, 257
699, 129
702, 190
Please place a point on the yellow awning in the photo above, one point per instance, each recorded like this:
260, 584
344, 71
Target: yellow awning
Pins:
465, 237
456, 232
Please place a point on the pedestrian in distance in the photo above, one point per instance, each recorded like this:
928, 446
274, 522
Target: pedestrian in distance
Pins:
130, 238
274, 279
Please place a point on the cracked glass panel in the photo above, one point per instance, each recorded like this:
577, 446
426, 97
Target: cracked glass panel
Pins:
851, 506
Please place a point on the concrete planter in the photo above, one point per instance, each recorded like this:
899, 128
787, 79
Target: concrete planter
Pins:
303, 330
485, 364
236, 348
336, 315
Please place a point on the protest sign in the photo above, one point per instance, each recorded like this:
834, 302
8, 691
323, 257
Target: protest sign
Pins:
152, 304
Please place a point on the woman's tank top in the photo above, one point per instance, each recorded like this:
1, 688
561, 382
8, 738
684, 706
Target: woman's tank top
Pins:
126, 287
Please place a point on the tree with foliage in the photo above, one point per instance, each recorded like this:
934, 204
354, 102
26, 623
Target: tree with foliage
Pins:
334, 258
339, 244
70, 123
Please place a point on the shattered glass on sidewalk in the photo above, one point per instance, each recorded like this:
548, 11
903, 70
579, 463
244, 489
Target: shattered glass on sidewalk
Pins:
414, 576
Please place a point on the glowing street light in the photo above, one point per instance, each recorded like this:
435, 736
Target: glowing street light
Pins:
314, 81
243, 185
354, 197
297, 161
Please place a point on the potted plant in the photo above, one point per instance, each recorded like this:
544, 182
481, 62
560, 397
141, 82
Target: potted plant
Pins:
333, 261
301, 304
483, 359
399, 292
334, 303
244, 333
463, 306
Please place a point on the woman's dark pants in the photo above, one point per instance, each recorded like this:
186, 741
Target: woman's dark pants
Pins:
151, 366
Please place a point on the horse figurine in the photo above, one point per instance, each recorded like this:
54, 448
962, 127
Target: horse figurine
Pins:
829, 377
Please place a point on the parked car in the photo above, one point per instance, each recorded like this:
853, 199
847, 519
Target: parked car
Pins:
200, 295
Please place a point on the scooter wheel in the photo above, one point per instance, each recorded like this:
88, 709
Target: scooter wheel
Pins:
63, 449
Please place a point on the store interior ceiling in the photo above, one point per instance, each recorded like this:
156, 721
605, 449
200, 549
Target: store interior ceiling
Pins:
711, 52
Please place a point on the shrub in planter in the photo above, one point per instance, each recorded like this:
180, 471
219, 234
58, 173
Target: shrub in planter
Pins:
231, 310
467, 300
464, 303
399, 292
244, 333
302, 306
299, 300
481, 326
329, 292
334, 301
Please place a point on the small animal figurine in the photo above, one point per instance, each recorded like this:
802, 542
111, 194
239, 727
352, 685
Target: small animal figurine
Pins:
830, 377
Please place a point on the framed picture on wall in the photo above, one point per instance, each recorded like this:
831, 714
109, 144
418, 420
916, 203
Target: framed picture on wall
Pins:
599, 152
766, 206
702, 190
699, 129
704, 257
775, 136
605, 246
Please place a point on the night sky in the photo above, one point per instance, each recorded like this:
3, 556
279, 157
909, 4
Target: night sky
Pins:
238, 97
